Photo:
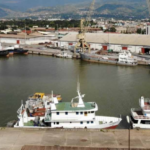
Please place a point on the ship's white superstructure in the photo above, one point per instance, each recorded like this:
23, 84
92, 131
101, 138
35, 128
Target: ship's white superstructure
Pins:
124, 58
127, 58
140, 117
50, 113
64, 55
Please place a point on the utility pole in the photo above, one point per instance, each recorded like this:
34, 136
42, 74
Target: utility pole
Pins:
25, 33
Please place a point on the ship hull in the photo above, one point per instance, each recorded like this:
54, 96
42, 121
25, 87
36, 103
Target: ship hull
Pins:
100, 122
97, 59
20, 51
4, 53
11, 52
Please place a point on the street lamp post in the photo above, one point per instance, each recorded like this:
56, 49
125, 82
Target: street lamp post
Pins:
128, 121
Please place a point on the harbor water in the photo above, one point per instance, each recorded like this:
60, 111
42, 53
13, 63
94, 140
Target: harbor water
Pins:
116, 89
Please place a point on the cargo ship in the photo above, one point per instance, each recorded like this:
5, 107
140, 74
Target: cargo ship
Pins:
3, 52
16, 50
48, 112
10, 49
125, 58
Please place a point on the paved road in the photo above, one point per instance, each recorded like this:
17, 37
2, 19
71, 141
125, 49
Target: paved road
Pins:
15, 139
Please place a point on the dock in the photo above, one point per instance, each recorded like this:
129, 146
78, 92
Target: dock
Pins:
49, 52
44, 139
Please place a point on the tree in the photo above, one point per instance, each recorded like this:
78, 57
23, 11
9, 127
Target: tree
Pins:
139, 31
55, 28
113, 29
101, 28
3, 27
14, 28
144, 31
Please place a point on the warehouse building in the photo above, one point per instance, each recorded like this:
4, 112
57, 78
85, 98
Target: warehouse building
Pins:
136, 43
21, 38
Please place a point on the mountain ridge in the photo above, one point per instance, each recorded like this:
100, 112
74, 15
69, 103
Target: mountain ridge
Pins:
102, 7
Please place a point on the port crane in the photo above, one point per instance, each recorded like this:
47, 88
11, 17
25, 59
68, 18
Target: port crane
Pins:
148, 3
84, 23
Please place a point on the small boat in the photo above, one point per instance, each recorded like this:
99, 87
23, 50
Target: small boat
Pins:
3, 52
48, 112
124, 58
64, 55
140, 117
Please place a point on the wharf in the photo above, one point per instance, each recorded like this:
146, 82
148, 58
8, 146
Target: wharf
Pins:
54, 52
44, 139
49, 52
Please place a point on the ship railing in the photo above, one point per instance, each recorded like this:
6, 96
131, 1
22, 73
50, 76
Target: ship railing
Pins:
137, 114
146, 104
20, 109
47, 116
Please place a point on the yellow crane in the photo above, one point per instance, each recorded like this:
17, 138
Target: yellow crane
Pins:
84, 23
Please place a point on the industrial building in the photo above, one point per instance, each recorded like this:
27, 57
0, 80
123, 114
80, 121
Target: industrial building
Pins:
136, 43
21, 38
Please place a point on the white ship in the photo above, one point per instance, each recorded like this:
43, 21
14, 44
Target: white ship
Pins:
49, 113
126, 58
140, 117
64, 55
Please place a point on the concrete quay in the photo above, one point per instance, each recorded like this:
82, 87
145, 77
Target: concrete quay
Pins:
18, 139
49, 52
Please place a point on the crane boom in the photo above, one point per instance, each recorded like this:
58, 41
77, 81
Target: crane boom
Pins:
148, 3
91, 10
82, 44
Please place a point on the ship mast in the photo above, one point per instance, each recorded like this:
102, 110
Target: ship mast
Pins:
148, 3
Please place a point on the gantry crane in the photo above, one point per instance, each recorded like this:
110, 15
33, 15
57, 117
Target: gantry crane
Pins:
84, 23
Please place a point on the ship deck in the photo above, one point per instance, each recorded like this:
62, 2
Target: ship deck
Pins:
67, 106
39, 112
138, 114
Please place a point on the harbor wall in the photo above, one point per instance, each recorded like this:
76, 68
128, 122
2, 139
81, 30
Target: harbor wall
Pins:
15, 139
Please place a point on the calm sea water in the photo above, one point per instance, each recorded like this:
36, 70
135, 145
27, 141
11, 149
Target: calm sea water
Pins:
116, 89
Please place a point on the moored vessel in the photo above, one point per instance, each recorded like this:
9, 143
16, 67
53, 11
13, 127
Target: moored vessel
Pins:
50, 113
18, 50
64, 55
3, 52
140, 117
10, 49
124, 58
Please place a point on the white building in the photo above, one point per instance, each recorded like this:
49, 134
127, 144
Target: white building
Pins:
34, 38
